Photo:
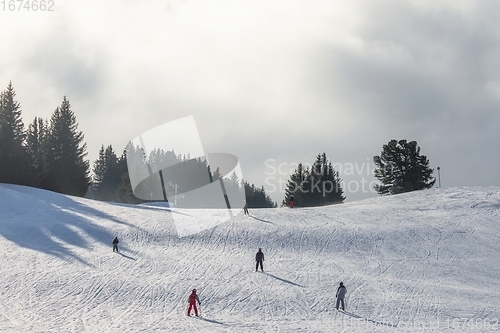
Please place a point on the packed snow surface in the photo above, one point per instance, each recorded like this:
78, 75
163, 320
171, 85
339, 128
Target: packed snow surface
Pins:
425, 261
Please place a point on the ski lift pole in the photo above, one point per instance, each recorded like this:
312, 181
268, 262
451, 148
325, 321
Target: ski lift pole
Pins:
439, 177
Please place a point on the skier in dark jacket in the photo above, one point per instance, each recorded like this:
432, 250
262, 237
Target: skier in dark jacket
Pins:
259, 258
292, 202
245, 208
115, 244
341, 291
193, 298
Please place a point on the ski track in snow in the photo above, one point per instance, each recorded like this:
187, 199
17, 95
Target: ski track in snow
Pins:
411, 259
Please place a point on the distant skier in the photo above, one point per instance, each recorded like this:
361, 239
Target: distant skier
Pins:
341, 291
115, 244
193, 298
259, 258
291, 202
245, 208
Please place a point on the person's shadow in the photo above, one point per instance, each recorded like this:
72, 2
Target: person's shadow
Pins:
212, 321
380, 323
259, 219
126, 256
284, 280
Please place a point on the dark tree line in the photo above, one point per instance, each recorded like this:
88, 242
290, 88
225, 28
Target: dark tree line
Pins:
257, 197
112, 179
317, 185
49, 154
400, 168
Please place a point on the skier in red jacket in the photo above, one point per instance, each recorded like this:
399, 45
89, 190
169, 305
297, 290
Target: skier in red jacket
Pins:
193, 298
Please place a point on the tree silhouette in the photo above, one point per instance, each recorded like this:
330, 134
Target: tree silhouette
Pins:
400, 168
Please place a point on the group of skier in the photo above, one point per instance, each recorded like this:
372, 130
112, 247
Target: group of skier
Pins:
259, 259
193, 299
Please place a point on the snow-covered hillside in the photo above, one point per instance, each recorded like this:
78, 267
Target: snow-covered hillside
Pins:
426, 261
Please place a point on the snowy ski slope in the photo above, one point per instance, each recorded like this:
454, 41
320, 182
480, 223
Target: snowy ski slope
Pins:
425, 261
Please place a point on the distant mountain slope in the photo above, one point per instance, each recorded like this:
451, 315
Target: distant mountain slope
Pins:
427, 257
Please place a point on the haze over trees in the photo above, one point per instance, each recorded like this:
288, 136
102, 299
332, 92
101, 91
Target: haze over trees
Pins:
66, 169
112, 181
50, 155
108, 174
400, 168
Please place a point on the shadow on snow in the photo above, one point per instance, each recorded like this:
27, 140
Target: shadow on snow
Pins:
213, 321
378, 323
126, 256
259, 219
49, 222
284, 280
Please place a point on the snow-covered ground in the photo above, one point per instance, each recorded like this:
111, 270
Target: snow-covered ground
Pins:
425, 261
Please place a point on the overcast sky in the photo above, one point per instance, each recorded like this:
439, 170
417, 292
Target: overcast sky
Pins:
272, 82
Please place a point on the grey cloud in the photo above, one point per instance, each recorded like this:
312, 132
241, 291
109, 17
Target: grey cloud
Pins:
58, 58
283, 83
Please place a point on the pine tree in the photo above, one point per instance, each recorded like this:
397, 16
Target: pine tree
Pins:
216, 175
124, 191
321, 185
314, 196
15, 167
400, 168
324, 186
107, 175
297, 185
67, 169
36, 144
98, 172
333, 188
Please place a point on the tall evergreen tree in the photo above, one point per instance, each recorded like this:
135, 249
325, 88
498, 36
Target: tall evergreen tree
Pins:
14, 162
233, 184
400, 168
324, 186
36, 144
67, 169
99, 170
314, 189
124, 192
108, 173
296, 186
333, 188
216, 174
